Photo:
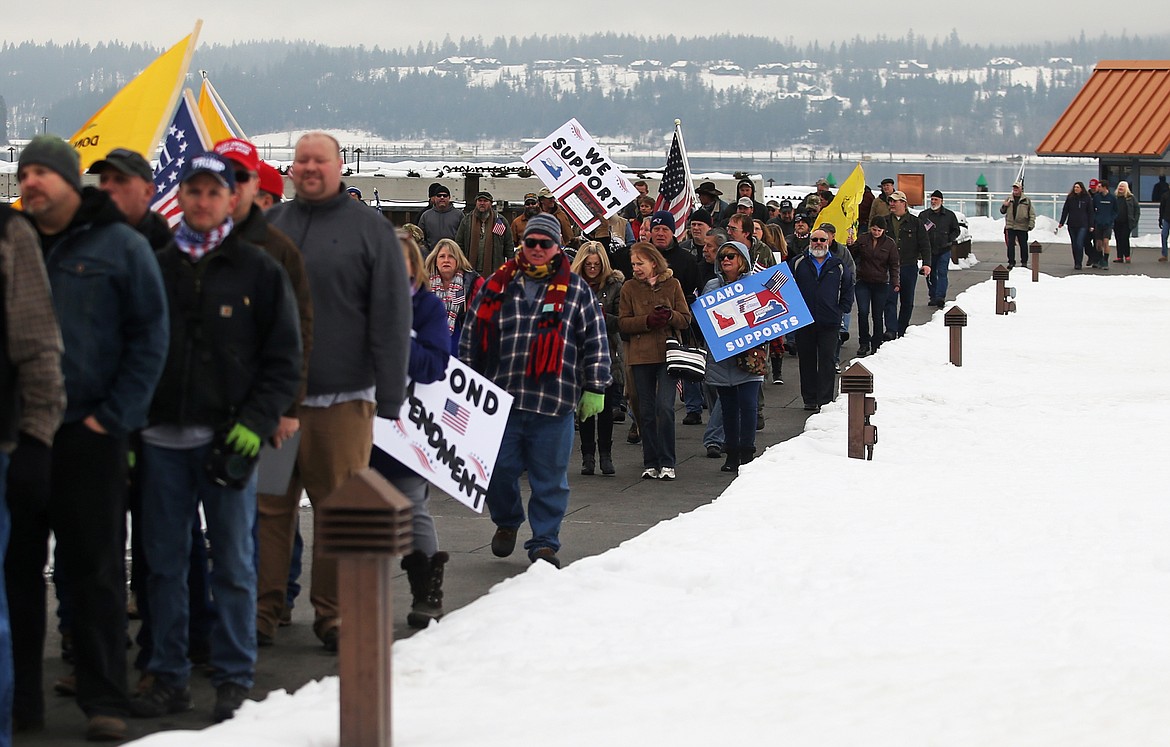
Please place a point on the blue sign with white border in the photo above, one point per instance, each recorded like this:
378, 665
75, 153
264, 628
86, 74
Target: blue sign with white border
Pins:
755, 309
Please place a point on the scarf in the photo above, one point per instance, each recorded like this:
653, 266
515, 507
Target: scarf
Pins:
197, 245
546, 352
453, 296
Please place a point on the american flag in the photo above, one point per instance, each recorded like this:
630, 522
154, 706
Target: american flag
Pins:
183, 141
456, 416
499, 227
675, 192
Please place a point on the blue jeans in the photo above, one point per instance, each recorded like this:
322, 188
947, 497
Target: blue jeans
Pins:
870, 295
655, 413
173, 484
713, 435
693, 396
542, 444
900, 305
1078, 237
6, 674
845, 319
936, 281
739, 415
1165, 235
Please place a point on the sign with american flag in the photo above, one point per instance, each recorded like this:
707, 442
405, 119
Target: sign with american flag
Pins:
757, 308
449, 432
185, 138
676, 191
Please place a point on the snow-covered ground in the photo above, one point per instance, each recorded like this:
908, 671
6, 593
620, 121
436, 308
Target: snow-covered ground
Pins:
991, 230
999, 574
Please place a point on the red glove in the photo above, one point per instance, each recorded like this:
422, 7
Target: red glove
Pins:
658, 318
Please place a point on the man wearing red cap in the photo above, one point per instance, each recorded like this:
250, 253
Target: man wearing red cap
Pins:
251, 226
271, 190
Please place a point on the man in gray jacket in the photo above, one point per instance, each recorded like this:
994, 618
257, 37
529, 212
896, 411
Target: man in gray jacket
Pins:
361, 320
440, 220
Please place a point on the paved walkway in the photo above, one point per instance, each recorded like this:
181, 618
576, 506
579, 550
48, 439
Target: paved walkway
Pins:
605, 511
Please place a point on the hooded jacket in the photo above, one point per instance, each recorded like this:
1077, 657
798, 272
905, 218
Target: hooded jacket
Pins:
727, 372
110, 303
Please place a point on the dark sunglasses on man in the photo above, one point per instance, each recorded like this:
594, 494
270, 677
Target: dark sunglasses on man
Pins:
243, 177
531, 243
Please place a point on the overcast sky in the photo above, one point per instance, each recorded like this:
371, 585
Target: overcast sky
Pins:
353, 22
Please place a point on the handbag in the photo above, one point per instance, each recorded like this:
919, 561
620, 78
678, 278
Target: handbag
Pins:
754, 361
686, 362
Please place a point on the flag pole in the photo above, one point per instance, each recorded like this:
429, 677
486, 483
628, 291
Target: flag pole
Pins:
686, 161
221, 105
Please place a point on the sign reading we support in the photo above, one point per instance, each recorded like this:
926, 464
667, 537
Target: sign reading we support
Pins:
449, 432
589, 186
755, 309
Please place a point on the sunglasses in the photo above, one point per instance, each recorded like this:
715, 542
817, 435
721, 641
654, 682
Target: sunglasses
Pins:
443, 196
819, 241
243, 177
542, 243
726, 257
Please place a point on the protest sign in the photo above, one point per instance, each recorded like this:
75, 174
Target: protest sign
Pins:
449, 432
755, 309
589, 186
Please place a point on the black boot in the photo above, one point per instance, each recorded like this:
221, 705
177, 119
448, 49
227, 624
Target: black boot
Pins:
426, 586
732, 463
606, 463
747, 455
587, 464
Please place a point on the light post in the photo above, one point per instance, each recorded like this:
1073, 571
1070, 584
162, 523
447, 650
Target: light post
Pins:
11, 153
357, 154
344, 153
44, 125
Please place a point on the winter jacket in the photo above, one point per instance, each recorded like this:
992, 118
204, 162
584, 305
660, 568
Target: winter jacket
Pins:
1128, 213
361, 297
838, 250
725, 372
1018, 214
684, 267
112, 309
759, 210
913, 243
1104, 209
827, 293
439, 224
1164, 209
877, 260
609, 298
1078, 211
155, 228
235, 352
942, 229
256, 229
638, 299
489, 250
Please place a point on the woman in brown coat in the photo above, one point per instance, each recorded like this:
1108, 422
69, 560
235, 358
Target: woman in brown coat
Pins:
651, 308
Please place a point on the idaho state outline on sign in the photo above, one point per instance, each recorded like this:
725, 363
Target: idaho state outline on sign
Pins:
753, 310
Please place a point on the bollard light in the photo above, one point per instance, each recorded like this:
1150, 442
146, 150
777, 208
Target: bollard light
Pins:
365, 523
857, 382
1003, 293
1035, 249
955, 319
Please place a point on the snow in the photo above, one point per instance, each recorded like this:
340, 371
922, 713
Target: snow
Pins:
985, 229
998, 574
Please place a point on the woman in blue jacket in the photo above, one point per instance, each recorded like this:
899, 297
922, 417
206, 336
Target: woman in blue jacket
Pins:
429, 346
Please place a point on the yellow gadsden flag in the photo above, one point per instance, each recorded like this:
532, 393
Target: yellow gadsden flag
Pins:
842, 211
219, 121
137, 115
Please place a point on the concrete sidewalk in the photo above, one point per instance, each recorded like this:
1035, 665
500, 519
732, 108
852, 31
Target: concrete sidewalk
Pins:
604, 512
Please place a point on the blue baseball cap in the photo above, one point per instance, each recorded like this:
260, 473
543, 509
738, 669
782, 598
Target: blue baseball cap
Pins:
209, 163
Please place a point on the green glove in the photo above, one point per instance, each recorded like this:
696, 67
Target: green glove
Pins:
243, 440
591, 404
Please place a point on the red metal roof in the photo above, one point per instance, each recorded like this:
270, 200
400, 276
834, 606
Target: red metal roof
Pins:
1123, 110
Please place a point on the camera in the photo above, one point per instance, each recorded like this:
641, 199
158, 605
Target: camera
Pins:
225, 466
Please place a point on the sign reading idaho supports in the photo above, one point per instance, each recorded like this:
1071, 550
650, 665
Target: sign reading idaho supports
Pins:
449, 432
589, 186
758, 308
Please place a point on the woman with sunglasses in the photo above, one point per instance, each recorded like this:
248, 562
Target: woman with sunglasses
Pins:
652, 307
592, 264
738, 389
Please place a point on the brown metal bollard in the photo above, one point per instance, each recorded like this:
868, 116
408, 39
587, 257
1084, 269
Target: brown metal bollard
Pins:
1003, 294
1035, 249
956, 319
857, 382
365, 523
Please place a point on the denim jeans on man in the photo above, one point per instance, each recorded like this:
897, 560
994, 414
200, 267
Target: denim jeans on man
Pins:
542, 444
693, 396
174, 483
655, 413
900, 305
5, 632
870, 295
936, 281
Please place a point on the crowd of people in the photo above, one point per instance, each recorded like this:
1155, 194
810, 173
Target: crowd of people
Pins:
148, 366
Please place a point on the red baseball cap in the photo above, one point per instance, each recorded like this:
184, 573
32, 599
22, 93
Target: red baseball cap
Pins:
1093, 183
271, 181
240, 151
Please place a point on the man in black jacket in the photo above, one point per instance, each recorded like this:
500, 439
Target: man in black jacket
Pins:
942, 228
913, 246
129, 181
233, 368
